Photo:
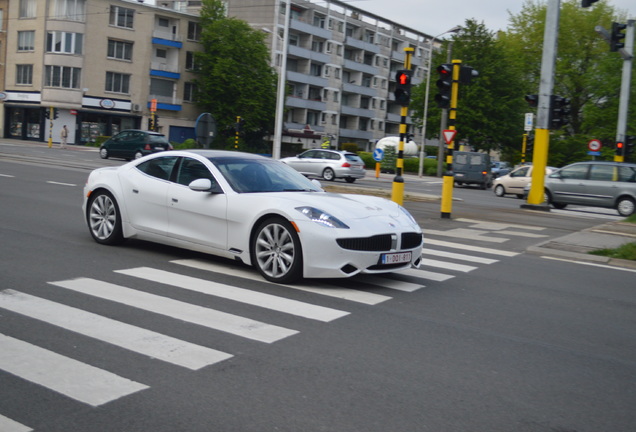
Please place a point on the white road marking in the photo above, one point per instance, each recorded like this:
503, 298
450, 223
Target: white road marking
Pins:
385, 282
242, 295
124, 335
8, 425
64, 375
466, 234
424, 274
61, 184
470, 248
316, 288
457, 256
590, 264
447, 265
187, 312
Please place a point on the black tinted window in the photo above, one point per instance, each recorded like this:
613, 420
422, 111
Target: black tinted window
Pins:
160, 168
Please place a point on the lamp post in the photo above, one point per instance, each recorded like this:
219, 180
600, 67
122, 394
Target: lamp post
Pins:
428, 85
280, 99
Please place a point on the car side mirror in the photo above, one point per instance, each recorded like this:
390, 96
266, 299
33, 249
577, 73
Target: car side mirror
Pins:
205, 185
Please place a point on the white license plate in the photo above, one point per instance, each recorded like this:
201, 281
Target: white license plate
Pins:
459, 175
396, 258
158, 148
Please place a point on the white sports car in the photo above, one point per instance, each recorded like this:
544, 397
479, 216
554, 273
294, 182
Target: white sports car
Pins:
253, 209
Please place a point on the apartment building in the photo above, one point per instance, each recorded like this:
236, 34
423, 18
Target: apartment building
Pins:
341, 64
99, 66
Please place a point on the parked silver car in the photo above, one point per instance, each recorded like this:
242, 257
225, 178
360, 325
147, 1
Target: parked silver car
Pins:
328, 164
595, 184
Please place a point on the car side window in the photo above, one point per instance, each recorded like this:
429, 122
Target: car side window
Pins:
192, 169
308, 155
522, 172
603, 172
160, 167
575, 172
627, 174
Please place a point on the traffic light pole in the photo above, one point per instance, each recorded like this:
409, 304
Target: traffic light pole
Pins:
397, 191
448, 178
623, 104
542, 132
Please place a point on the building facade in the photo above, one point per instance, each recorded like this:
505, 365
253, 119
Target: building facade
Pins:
98, 67
340, 67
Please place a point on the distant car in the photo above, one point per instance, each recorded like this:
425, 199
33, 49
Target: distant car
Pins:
328, 164
251, 209
132, 144
499, 169
594, 184
472, 168
515, 182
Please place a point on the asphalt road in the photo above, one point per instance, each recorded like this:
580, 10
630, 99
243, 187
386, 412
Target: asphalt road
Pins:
483, 338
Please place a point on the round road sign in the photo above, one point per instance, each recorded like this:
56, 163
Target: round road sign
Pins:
594, 145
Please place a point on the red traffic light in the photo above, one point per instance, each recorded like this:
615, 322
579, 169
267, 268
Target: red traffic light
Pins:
619, 145
403, 77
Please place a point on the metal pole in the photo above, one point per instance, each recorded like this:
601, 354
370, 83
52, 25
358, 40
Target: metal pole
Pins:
542, 133
626, 79
280, 99
443, 122
397, 192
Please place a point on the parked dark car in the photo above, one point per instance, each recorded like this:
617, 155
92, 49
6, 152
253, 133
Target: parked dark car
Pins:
133, 144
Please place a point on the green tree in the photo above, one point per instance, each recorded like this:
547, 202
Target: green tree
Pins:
586, 72
234, 77
489, 112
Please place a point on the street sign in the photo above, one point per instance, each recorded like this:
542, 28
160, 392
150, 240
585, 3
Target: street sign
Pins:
594, 145
153, 105
528, 122
449, 135
378, 154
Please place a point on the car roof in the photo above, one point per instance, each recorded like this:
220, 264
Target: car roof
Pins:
224, 154
144, 131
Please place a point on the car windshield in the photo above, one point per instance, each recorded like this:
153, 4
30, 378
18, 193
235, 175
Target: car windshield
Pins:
351, 157
262, 175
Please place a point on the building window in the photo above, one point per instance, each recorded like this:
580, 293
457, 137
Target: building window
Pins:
117, 82
73, 10
119, 50
26, 40
62, 42
190, 61
161, 87
27, 8
121, 17
24, 74
189, 92
315, 69
194, 31
161, 53
62, 76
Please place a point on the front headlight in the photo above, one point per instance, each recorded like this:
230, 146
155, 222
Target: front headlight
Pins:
322, 218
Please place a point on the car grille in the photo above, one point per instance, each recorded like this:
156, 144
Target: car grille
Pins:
411, 240
382, 242
376, 243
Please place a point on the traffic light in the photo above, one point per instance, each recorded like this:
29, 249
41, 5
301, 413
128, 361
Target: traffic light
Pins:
617, 36
156, 125
559, 111
47, 113
151, 124
56, 113
533, 100
587, 3
403, 87
445, 85
620, 149
466, 74
629, 145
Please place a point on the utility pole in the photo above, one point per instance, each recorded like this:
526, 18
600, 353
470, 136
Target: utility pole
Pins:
542, 132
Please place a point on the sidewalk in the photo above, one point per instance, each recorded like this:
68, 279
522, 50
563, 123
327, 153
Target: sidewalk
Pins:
577, 245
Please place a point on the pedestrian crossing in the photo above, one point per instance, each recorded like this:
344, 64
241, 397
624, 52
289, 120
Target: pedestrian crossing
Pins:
94, 386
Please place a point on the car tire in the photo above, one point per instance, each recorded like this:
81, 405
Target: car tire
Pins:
328, 174
104, 218
103, 153
500, 190
138, 154
520, 196
276, 251
350, 180
625, 206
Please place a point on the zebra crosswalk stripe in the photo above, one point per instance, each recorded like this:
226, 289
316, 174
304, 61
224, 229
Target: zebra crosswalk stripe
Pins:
152, 344
458, 256
490, 251
187, 312
242, 295
8, 425
77, 380
316, 288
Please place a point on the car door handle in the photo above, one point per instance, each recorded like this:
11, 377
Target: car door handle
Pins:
174, 200
135, 191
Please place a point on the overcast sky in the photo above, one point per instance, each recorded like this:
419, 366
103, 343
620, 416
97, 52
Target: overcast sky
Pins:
437, 16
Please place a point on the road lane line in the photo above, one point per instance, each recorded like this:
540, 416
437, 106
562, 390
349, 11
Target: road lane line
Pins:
425, 274
8, 425
64, 375
187, 312
315, 288
117, 333
242, 295
447, 265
